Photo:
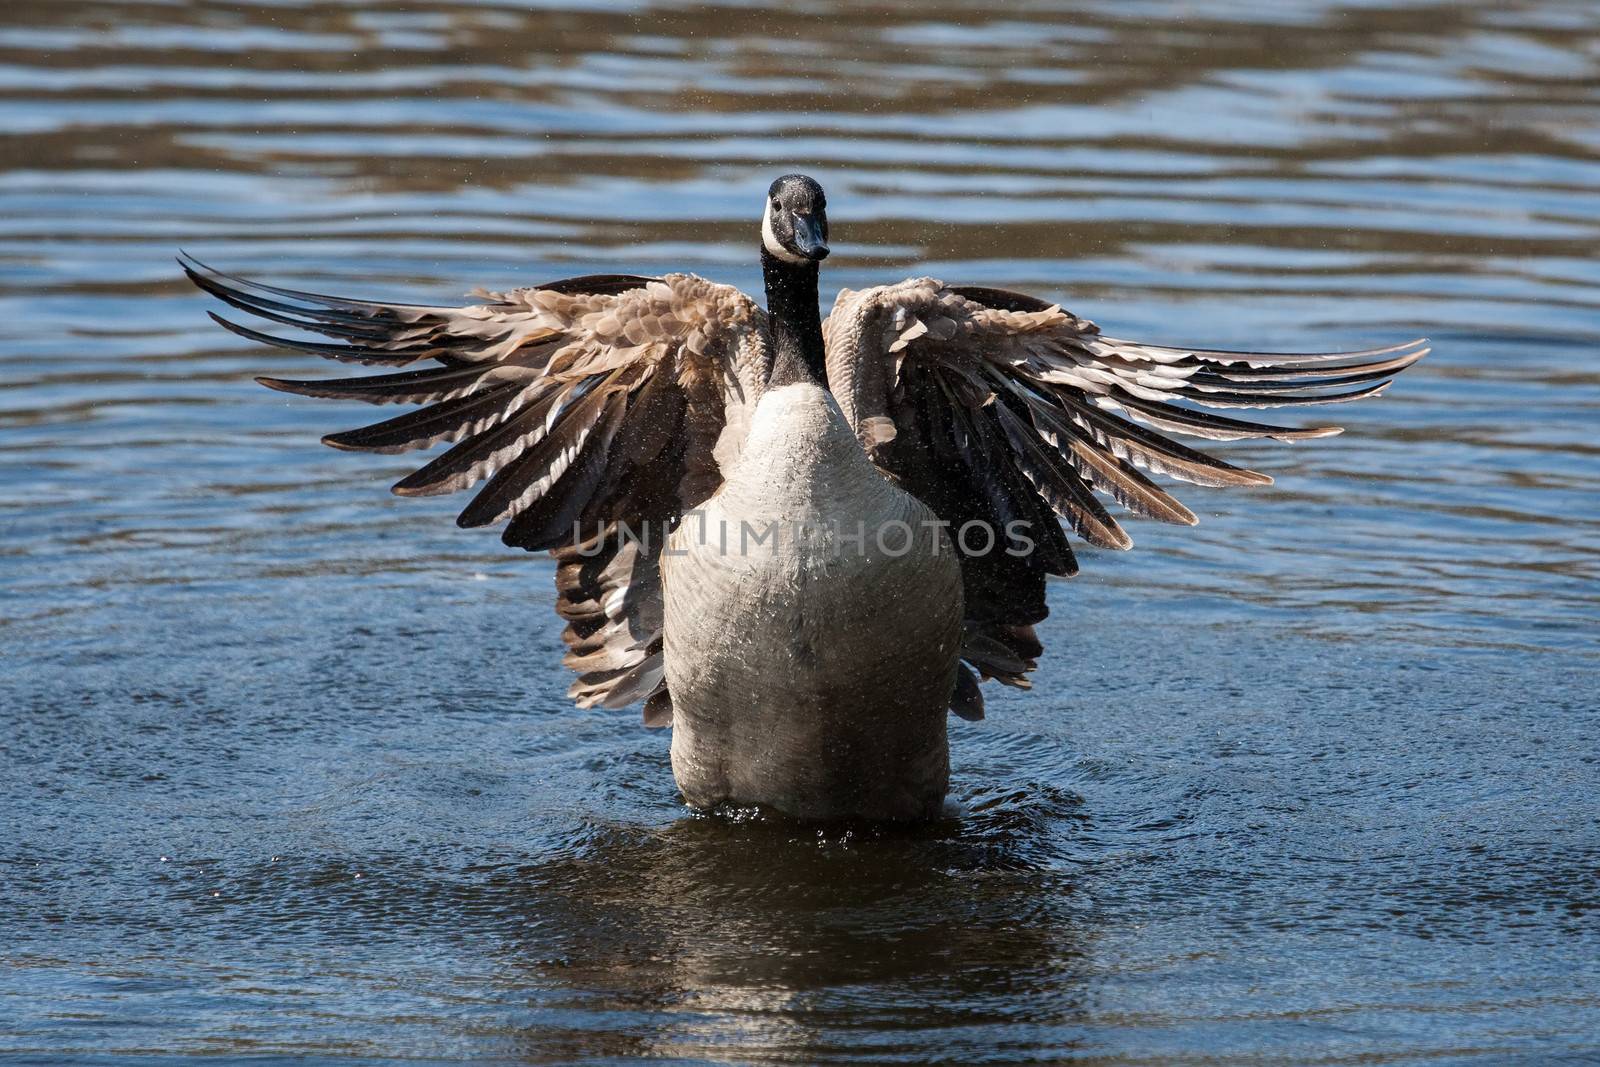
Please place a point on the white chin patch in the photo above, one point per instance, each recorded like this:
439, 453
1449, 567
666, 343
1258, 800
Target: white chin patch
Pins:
770, 239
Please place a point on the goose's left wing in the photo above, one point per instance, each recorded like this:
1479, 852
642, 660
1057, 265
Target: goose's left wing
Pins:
997, 408
594, 411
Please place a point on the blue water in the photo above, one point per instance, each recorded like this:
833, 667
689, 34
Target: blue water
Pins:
286, 769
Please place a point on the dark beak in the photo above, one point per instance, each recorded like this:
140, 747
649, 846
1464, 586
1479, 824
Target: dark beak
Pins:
810, 236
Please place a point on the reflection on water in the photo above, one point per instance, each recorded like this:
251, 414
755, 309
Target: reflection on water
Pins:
286, 762
785, 938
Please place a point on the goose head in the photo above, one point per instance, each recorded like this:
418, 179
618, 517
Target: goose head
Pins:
794, 226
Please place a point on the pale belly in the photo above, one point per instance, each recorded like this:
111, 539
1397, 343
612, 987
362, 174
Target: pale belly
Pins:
813, 675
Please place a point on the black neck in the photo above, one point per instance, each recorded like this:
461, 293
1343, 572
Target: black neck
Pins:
796, 322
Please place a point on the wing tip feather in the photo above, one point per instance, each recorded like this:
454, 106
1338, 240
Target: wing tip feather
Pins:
342, 442
401, 488
1309, 433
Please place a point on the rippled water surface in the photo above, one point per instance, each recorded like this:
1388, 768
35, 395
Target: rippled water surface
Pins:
286, 766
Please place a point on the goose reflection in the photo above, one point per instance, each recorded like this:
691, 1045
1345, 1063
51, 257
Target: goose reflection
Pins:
711, 938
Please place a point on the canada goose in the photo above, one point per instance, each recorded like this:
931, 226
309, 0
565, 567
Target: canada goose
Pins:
798, 543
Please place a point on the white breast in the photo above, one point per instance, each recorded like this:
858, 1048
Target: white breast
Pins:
811, 673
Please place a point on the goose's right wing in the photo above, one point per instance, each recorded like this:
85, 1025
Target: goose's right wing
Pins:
592, 409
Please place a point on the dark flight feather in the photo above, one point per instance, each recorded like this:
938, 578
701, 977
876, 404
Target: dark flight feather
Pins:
467, 462
444, 421
405, 387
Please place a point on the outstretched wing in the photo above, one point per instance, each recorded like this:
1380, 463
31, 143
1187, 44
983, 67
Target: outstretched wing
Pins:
994, 408
594, 411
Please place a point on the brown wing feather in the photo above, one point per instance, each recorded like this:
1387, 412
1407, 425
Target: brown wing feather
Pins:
577, 404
